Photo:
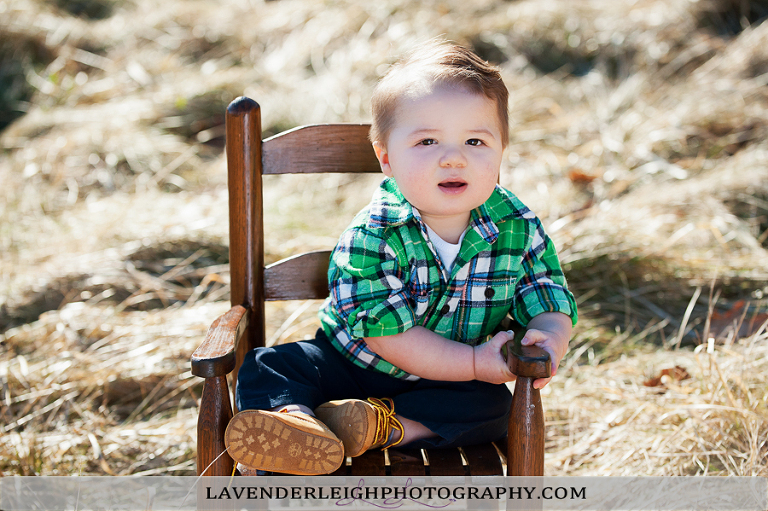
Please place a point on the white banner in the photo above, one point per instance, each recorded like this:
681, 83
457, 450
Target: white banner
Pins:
376, 493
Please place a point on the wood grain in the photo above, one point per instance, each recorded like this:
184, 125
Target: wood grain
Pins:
216, 355
246, 229
370, 463
529, 361
321, 148
302, 277
445, 462
215, 414
525, 447
483, 460
406, 462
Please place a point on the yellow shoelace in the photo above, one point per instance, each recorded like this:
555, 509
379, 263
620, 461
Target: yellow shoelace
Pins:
385, 422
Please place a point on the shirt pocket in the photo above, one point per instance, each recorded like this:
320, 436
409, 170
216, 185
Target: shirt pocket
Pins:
496, 291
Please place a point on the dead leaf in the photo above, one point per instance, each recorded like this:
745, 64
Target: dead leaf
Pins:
578, 176
676, 373
737, 317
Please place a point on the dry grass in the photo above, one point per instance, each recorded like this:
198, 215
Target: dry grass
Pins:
639, 136
629, 417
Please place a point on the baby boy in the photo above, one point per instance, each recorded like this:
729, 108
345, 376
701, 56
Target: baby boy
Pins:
418, 283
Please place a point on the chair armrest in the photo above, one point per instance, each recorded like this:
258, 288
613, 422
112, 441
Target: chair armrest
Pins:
216, 355
527, 361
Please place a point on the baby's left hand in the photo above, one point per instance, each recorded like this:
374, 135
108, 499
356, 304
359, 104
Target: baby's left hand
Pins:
554, 344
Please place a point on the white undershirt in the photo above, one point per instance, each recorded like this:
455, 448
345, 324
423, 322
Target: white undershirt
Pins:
447, 251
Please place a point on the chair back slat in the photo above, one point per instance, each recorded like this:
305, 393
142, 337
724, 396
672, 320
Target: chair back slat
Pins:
302, 277
320, 148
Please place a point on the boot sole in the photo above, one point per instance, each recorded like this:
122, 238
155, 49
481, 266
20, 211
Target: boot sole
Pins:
266, 441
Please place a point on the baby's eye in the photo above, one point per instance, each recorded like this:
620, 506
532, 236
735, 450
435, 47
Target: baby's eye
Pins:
427, 141
474, 141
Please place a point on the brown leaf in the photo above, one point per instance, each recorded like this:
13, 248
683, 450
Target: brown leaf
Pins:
578, 176
738, 316
676, 373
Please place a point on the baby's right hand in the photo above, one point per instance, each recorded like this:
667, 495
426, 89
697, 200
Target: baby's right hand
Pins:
489, 364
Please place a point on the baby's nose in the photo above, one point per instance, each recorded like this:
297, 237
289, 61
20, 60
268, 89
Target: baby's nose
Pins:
453, 158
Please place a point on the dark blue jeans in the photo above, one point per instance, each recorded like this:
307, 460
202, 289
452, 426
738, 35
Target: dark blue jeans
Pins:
314, 372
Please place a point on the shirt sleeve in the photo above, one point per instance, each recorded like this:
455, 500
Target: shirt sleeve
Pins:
541, 285
367, 286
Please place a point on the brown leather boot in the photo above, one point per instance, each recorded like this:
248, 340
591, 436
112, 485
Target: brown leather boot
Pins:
361, 425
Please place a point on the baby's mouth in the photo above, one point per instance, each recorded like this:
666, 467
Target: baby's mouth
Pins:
453, 185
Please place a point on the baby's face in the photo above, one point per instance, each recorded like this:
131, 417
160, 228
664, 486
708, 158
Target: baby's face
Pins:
444, 152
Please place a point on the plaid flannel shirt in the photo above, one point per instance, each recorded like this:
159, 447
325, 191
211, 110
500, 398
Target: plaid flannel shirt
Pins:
385, 276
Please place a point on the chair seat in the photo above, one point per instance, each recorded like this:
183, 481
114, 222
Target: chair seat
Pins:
475, 460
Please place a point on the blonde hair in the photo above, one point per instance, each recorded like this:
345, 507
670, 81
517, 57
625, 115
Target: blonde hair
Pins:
438, 63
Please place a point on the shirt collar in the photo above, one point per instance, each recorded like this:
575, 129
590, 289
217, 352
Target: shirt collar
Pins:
389, 209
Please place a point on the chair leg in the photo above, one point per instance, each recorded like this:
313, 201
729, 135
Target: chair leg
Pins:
215, 414
525, 447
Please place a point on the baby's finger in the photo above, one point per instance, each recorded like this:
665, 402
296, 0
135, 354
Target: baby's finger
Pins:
554, 359
532, 337
501, 339
540, 383
504, 336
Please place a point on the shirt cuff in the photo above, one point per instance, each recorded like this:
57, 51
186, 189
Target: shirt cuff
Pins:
390, 317
539, 301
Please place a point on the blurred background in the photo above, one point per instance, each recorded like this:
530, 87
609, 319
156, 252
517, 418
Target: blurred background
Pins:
638, 135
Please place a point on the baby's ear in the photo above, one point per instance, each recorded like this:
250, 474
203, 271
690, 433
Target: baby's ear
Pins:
383, 157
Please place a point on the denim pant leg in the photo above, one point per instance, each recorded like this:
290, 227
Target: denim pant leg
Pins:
460, 413
307, 373
313, 372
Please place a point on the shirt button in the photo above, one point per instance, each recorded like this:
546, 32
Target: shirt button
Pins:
489, 292
445, 310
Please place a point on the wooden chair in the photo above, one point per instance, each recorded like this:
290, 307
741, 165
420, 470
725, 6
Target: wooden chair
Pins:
315, 149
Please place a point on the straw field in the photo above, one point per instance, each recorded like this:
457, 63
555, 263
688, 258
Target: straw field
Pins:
638, 136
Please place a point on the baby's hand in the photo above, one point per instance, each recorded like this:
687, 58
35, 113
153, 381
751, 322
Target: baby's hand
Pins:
489, 364
555, 345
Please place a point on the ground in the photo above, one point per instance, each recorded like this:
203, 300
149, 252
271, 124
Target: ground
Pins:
638, 135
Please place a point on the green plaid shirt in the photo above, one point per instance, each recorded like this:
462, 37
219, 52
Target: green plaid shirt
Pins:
385, 276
